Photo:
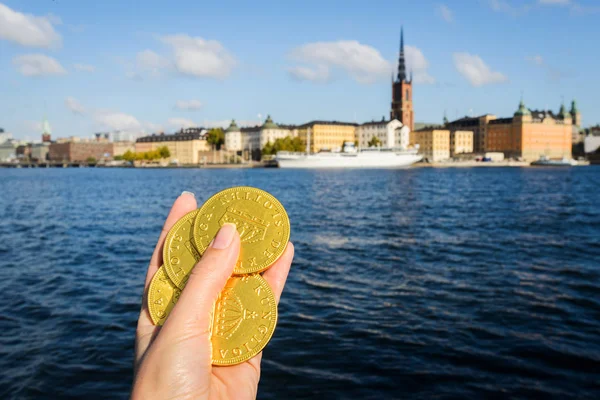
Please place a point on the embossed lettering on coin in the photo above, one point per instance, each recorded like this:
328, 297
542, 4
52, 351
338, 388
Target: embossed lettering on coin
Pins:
162, 296
179, 252
261, 221
244, 320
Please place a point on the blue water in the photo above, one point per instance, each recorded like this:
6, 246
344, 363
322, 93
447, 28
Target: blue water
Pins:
418, 283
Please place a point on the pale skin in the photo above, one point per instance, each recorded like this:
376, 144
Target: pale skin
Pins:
174, 361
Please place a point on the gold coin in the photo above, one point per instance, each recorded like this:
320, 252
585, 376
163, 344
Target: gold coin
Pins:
179, 253
162, 296
261, 221
244, 320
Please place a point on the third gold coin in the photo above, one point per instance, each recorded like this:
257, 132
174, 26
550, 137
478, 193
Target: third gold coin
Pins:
179, 252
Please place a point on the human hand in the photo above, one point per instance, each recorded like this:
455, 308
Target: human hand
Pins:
175, 361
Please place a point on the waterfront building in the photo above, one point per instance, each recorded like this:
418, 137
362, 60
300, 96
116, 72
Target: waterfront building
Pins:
591, 144
434, 144
270, 132
327, 135
120, 148
256, 137
124, 136
8, 150
74, 151
461, 142
477, 125
233, 137
251, 138
578, 134
4, 136
46, 131
39, 152
184, 145
402, 107
530, 134
23, 151
391, 133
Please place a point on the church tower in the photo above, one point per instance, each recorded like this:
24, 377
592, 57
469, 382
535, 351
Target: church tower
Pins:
46, 138
402, 107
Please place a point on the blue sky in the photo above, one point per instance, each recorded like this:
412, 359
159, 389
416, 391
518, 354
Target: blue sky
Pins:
98, 66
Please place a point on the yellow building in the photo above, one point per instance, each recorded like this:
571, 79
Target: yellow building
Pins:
530, 134
434, 144
184, 146
120, 148
326, 135
461, 142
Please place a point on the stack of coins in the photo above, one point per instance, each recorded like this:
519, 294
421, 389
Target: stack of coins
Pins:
245, 314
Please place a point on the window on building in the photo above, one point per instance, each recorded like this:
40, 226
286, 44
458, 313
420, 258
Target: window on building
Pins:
406, 94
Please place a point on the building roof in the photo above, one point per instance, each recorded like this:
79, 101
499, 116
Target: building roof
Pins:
431, 128
46, 127
383, 121
232, 127
466, 120
321, 122
269, 124
183, 135
522, 110
574, 109
499, 121
541, 114
250, 128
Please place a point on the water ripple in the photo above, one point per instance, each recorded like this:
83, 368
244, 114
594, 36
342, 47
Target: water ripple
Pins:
422, 283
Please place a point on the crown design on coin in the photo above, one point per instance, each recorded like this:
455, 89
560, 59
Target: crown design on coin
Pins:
251, 229
229, 314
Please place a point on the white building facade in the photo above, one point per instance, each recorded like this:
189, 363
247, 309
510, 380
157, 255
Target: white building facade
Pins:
253, 138
391, 134
4, 136
233, 137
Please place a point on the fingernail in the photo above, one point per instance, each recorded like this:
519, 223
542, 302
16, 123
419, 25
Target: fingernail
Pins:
188, 193
224, 236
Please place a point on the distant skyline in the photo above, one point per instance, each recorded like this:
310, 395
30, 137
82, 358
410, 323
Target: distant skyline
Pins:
109, 65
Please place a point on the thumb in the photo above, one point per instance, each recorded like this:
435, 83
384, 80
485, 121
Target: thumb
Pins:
193, 311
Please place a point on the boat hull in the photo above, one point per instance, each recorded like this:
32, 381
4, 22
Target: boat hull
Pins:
332, 160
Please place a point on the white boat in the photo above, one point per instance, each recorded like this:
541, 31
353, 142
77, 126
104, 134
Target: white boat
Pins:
350, 157
546, 162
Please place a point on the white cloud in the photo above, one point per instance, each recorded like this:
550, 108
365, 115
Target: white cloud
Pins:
224, 123
179, 123
320, 73
537, 59
150, 63
38, 65
555, 2
84, 68
118, 121
34, 126
445, 13
75, 106
554, 74
507, 8
418, 65
362, 62
188, 105
476, 71
28, 30
198, 57
152, 127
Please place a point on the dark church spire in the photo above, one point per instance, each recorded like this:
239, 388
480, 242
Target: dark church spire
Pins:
401, 63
